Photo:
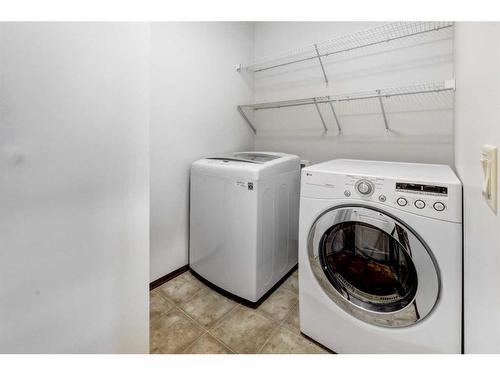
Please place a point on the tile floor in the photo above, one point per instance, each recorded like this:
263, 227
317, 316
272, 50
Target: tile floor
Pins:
186, 316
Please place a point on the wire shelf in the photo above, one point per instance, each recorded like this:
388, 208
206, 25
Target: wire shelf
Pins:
382, 97
366, 38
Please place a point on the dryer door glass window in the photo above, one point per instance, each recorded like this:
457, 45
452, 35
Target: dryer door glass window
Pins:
369, 267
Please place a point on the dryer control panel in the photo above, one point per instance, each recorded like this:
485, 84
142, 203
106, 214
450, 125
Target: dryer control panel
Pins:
428, 195
436, 200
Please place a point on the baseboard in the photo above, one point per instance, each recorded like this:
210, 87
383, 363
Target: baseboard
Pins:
170, 276
162, 280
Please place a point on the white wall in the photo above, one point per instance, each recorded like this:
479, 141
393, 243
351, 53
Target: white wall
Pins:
477, 122
422, 127
194, 94
74, 187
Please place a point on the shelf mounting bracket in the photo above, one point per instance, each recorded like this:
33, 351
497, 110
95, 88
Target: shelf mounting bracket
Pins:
335, 116
382, 108
247, 120
325, 129
321, 64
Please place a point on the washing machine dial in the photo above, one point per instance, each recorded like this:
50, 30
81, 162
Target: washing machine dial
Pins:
365, 187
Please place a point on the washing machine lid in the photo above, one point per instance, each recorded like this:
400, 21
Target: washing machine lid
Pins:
248, 157
250, 165
373, 266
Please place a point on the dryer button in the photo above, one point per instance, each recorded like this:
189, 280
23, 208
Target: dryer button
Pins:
438, 206
382, 198
402, 202
419, 204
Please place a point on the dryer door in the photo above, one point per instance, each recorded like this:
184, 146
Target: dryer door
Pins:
373, 266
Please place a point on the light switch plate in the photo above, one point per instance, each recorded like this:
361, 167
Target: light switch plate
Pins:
490, 167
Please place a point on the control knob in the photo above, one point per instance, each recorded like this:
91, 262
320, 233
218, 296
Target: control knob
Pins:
419, 204
439, 206
364, 187
402, 201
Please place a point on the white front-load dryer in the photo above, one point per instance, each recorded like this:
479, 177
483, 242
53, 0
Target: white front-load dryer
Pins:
380, 257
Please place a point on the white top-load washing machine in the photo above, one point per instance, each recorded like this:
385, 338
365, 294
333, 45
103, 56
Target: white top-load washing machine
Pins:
244, 221
380, 257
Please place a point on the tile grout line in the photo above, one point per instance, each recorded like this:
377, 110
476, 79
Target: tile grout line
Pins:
201, 289
222, 343
163, 312
181, 312
207, 333
280, 324
183, 277
180, 302
194, 342
299, 333
159, 292
200, 324
216, 323
185, 313
193, 320
196, 323
290, 312
219, 323
286, 315
292, 331
274, 331
166, 298
262, 315
176, 306
256, 312
207, 330
194, 295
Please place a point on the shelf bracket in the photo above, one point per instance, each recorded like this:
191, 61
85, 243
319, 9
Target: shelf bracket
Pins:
382, 108
247, 120
321, 64
320, 116
335, 116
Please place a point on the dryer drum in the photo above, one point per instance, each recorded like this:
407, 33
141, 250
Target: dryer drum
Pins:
373, 266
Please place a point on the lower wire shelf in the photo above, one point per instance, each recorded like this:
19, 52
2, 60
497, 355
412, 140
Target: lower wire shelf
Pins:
380, 95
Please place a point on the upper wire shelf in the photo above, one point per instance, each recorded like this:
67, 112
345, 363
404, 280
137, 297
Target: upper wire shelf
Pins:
380, 95
347, 43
